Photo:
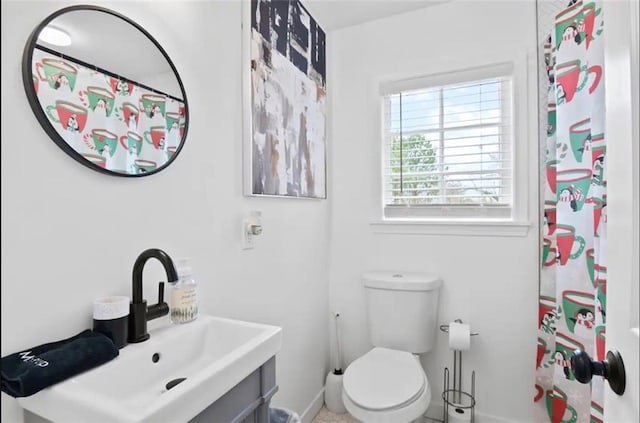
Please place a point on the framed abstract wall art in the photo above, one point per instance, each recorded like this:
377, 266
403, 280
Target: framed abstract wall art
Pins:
284, 90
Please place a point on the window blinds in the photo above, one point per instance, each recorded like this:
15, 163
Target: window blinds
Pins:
447, 149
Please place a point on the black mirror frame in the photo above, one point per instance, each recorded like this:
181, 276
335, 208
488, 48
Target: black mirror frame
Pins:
34, 102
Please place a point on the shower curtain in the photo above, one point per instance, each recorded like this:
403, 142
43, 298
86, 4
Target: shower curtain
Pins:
573, 285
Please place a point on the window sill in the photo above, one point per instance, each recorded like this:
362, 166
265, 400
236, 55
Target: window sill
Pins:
498, 228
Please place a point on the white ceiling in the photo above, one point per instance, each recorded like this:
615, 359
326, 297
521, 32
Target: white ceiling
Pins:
336, 14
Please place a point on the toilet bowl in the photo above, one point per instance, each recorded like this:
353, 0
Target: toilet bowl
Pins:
386, 386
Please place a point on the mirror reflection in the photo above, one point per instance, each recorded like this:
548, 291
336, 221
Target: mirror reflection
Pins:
109, 93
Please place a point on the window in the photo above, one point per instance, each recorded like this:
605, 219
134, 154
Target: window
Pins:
448, 149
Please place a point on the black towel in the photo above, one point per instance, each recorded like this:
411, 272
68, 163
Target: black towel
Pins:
27, 372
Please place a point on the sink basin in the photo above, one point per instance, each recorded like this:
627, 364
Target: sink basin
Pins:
212, 353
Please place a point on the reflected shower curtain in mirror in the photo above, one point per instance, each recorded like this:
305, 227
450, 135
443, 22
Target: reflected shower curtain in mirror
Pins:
573, 285
114, 123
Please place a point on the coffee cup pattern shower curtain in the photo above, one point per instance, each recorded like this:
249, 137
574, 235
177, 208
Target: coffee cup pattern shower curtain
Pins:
573, 285
113, 123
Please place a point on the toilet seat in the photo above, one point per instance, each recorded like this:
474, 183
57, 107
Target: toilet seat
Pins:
384, 379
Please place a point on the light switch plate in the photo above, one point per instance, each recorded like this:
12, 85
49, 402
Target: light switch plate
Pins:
246, 237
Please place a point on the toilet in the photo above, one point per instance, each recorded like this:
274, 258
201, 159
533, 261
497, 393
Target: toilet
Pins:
388, 383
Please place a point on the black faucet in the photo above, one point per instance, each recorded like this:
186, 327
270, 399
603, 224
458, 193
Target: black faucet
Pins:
139, 313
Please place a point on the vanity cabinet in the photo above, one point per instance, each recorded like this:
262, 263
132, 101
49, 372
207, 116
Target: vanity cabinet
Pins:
247, 402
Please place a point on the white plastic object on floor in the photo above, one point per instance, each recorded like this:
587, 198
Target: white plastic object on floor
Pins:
333, 393
459, 415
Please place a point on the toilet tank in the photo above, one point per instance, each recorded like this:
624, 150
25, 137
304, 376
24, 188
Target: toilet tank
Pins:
402, 309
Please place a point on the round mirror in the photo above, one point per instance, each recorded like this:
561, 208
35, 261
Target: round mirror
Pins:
105, 91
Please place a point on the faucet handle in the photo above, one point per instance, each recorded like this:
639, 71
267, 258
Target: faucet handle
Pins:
160, 309
160, 292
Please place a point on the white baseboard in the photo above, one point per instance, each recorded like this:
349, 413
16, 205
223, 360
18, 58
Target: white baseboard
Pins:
314, 408
435, 413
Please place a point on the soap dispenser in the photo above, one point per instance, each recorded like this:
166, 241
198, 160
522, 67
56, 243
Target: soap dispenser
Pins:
183, 297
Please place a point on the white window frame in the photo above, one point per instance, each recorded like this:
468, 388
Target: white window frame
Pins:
445, 221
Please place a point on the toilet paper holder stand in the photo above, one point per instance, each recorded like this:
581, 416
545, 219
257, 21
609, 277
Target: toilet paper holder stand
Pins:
455, 399
445, 328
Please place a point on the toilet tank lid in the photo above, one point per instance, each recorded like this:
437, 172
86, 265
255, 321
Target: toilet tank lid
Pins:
401, 281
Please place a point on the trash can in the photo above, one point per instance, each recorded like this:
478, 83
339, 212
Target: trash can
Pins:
283, 415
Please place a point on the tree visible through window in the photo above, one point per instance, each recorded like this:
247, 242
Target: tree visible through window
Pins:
414, 164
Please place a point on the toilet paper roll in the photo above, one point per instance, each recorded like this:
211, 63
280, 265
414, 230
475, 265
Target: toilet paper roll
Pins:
110, 308
459, 336
458, 415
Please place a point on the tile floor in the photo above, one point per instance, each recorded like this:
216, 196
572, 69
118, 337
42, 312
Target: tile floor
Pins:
326, 416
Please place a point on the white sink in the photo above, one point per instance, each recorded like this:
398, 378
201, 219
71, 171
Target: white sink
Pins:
212, 353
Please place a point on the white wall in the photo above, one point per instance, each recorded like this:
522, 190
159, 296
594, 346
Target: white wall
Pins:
70, 235
490, 282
